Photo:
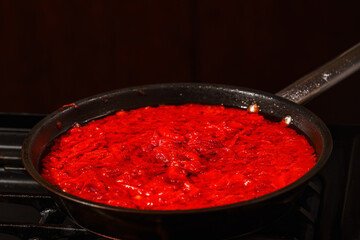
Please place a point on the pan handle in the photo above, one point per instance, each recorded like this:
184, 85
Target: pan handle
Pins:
318, 81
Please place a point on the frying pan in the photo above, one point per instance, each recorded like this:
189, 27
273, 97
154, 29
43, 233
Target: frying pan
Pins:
216, 222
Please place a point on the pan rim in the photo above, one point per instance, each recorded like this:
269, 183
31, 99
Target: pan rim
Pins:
327, 141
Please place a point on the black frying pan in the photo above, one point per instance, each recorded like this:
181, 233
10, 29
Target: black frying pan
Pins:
216, 222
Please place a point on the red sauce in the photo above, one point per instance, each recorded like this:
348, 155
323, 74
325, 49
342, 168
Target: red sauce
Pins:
177, 157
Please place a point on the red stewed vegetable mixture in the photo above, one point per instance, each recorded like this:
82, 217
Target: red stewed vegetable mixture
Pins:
177, 157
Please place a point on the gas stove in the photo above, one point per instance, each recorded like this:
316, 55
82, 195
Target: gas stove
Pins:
328, 209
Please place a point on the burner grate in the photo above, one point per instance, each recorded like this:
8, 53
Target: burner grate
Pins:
46, 222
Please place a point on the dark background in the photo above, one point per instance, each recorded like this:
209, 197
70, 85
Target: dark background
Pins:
56, 52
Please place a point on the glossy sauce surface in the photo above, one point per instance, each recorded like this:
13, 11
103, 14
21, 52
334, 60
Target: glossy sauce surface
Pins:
177, 157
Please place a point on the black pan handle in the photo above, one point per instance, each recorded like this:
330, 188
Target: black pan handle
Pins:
318, 81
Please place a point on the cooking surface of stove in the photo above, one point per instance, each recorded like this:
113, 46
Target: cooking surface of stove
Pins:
328, 209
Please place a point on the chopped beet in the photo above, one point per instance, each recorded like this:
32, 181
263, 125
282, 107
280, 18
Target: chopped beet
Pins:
177, 157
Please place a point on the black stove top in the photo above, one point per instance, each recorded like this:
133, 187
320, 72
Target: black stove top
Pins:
328, 209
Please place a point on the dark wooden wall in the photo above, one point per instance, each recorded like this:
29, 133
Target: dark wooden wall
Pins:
56, 52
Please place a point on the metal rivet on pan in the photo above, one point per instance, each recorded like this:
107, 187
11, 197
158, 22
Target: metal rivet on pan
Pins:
253, 108
287, 120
